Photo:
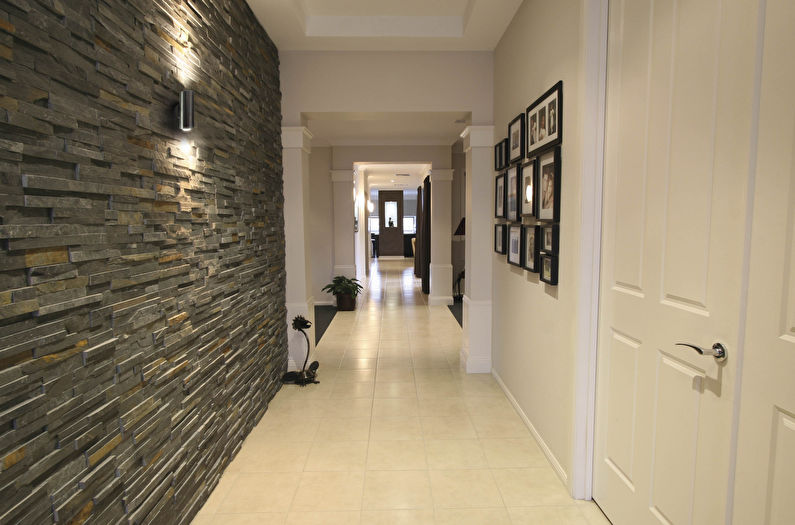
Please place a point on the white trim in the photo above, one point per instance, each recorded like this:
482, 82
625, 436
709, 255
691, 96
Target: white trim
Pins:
592, 170
392, 258
478, 137
325, 302
440, 300
553, 461
297, 137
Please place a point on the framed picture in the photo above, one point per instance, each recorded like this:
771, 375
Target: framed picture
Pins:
550, 238
515, 244
516, 140
527, 189
545, 120
499, 238
548, 191
501, 155
530, 248
499, 196
549, 268
512, 193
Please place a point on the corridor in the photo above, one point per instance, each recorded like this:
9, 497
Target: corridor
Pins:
394, 433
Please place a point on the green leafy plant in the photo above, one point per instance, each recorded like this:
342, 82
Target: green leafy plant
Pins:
342, 285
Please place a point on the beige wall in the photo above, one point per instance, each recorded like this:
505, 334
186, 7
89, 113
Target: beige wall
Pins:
534, 324
385, 82
321, 223
345, 156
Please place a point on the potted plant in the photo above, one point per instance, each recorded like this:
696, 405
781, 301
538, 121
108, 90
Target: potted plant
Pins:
345, 290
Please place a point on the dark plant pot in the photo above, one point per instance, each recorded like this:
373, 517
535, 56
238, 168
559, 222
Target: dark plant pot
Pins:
346, 302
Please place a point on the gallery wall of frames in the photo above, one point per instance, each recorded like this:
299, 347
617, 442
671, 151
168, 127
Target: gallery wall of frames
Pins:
527, 187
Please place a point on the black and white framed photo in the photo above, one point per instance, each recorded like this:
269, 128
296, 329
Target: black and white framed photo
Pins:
545, 120
550, 238
516, 139
548, 192
513, 175
499, 196
528, 189
515, 244
530, 248
501, 155
499, 238
549, 268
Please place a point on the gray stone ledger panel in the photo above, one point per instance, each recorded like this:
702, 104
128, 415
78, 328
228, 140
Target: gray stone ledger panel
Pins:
142, 317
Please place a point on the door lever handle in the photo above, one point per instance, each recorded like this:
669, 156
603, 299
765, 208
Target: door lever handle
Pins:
718, 351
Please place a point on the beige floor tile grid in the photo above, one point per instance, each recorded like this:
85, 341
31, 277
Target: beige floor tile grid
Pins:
394, 433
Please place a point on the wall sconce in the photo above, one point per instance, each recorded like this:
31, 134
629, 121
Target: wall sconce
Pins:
370, 206
185, 110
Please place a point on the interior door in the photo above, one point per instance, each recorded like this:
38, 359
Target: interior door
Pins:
390, 223
676, 170
765, 480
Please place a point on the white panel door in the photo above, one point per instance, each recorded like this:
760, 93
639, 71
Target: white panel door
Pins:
765, 479
680, 86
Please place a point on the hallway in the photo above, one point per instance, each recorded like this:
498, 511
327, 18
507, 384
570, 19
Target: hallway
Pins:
394, 433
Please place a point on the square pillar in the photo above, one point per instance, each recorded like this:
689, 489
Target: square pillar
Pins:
477, 311
441, 238
296, 146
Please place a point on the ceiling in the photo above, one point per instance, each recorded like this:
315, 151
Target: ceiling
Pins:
386, 129
385, 25
393, 176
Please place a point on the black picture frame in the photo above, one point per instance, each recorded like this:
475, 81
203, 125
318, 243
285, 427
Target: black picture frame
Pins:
516, 139
513, 177
514, 245
499, 196
530, 248
548, 268
501, 155
548, 185
549, 240
542, 131
499, 238
528, 196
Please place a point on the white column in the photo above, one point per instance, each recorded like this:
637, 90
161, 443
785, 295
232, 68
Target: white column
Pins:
441, 238
476, 350
344, 236
296, 146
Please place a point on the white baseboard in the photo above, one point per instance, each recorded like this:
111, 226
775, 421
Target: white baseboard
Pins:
556, 466
440, 300
392, 258
325, 302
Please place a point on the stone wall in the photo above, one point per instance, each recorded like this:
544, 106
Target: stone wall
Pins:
142, 319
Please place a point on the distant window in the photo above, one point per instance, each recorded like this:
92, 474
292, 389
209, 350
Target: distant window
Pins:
372, 224
409, 224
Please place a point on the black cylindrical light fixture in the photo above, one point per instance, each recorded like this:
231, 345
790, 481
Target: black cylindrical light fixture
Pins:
186, 110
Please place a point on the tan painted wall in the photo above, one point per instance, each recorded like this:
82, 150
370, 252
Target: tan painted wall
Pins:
385, 82
321, 222
534, 324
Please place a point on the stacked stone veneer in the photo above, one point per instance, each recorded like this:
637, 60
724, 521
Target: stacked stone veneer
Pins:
142, 319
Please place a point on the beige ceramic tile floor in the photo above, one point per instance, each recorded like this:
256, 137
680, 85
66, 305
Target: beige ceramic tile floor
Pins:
394, 433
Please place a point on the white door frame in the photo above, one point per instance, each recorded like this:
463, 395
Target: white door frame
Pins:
595, 32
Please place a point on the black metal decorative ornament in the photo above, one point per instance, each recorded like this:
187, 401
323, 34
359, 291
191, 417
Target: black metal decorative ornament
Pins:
305, 376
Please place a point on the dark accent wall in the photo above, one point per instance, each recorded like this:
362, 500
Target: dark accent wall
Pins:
142, 318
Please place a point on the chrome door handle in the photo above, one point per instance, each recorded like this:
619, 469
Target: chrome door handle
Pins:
718, 351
